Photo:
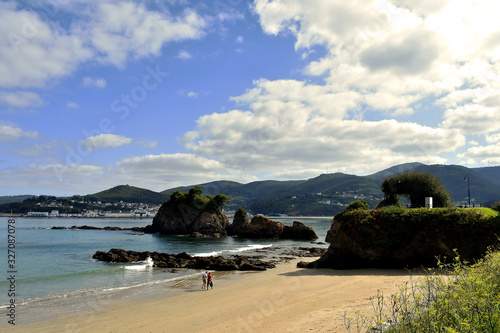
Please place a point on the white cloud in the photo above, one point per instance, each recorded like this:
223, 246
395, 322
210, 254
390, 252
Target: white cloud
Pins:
70, 177
10, 133
239, 39
486, 154
107, 32
103, 141
192, 94
184, 55
169, 170
422, 7
94, 82
72, 105
473, 119
410, 52
51, 52
128, 30
20, 99
292, 125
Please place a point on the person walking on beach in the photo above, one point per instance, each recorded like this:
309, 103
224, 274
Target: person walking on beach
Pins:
204, 279
209, 281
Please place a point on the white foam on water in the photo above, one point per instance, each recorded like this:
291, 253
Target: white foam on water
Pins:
146, 264
238, 250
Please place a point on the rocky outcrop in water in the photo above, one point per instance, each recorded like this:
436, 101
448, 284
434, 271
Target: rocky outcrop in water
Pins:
87, 227
190, 213
200, 216
263, 227
240, 222
184, 260
298, 231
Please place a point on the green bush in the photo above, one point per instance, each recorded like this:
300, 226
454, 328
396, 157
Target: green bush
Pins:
415, 186
358, 204
457, 297
496, 206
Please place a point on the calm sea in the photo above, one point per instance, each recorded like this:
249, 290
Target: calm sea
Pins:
54, 269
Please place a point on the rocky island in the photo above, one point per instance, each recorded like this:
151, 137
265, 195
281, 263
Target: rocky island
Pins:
196, 215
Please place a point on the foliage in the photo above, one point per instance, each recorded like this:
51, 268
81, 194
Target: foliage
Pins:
358, 204
458, 297
415, 186
430, 231
496, 206
487, 212
220, 200
196, 199
241, 212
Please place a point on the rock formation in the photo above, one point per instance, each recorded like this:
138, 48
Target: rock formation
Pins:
263, 227
399, 238
192, 213
86, 227
184, 260
298, 231
198, 216
240, 222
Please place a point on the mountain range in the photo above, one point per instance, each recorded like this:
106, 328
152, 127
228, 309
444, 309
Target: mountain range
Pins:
283, 196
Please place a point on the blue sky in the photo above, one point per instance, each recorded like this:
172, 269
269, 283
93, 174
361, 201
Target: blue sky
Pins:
158, 94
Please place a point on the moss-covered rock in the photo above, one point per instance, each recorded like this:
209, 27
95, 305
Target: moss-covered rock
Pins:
400, 237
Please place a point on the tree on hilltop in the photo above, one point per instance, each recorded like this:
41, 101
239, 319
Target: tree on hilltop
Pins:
414, 186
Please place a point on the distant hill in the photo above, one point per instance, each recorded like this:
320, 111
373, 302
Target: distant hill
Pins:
381, 175
14, 198
301, 196
127, 193
484, 182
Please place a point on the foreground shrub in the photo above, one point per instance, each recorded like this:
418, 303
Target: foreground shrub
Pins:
456, 297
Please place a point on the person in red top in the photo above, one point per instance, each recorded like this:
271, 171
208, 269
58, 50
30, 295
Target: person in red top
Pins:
209, 281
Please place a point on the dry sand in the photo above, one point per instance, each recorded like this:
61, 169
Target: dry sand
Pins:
284, 299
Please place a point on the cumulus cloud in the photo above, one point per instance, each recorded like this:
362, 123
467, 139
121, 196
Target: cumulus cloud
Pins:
405, 53
103, 141
422, 7
129, 30
486, 154
10, 133
27, 39
292, 125
168, 170
107, 32
20, 99
473, 119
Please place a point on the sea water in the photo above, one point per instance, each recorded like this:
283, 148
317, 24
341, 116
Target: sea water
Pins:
54, 268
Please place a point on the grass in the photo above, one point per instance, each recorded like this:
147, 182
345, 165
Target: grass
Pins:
488, 212
455, 297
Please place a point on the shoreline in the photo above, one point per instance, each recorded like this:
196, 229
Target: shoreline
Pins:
285, 298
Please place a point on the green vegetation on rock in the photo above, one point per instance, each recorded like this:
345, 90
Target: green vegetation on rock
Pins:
415, 186
197, 200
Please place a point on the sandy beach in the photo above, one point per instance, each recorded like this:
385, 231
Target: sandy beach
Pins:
284, 299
